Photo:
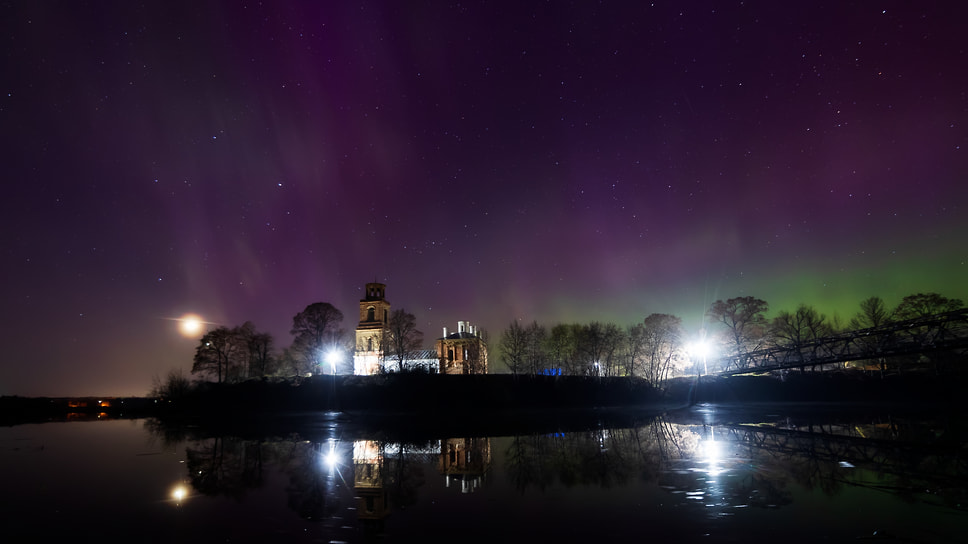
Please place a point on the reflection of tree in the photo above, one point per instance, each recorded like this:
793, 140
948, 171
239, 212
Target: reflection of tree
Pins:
229, 466
306, 491
224, 466
599, 457
762, 461
404, 477
169, 435
527, 464
913, 460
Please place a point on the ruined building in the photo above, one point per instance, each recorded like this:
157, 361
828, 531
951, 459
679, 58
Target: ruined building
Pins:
462, 352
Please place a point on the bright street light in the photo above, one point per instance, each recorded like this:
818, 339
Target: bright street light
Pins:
333, 357
700, 349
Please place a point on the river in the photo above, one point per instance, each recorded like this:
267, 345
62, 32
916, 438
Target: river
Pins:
706, 474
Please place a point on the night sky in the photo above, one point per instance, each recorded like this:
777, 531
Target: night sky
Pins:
488, 161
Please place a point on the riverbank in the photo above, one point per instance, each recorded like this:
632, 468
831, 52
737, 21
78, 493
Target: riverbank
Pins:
459, 400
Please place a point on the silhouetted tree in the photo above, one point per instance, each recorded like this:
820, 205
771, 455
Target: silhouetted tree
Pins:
925, 305
315, 329
562, 348
873, 313
534, 356
745, 321
662, 345
513, 347
800, 330
633, 349
402, 339
291, 364
175, 386
215, 353
261, 361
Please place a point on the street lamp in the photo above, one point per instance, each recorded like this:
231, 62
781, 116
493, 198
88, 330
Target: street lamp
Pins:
333, 357
700, 348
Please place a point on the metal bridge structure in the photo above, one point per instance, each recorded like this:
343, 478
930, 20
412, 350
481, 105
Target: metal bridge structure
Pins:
944, 332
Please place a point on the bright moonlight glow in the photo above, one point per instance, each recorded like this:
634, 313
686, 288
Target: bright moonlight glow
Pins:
190, 325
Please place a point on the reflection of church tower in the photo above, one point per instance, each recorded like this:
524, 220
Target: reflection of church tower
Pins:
374, 319
466, 460
371, 497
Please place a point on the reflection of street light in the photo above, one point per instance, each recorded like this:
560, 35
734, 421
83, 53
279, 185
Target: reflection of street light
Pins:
331, 458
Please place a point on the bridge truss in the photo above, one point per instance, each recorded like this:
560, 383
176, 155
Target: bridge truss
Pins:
945, 332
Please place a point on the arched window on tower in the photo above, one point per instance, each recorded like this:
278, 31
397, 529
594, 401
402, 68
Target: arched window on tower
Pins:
370, 314
369, 344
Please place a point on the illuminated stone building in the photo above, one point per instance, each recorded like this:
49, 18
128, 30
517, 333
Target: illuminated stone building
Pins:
369, 357
462, 352
374, 321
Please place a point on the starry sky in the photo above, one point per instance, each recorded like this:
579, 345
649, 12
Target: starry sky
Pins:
488, 161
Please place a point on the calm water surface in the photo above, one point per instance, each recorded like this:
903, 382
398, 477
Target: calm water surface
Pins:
711, 474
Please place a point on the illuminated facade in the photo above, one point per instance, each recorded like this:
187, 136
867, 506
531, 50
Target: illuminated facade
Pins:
462, 352
369, 357
371, 330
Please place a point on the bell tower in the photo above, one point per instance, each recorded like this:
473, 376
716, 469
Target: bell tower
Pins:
374, 320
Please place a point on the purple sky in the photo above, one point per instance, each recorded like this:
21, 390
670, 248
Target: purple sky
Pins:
487, 161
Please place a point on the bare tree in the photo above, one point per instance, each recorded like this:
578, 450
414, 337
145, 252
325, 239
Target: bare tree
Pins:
873, 313
175, 385
402, 339
314, 329
534, 355
662, 345
261, 360
800, 329
513, 346
613, 338
562, 348
598, 347
925, 305
633, 349
292, 364
745, 321
218, 352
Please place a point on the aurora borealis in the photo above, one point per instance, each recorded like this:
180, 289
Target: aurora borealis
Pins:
488, 161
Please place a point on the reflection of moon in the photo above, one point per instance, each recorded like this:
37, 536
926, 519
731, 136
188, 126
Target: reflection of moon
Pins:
190, 325
179, 493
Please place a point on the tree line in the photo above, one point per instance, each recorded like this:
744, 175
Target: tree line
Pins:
233, 354
658, 348
655, 349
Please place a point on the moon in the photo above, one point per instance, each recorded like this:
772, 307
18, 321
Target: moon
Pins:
190, 325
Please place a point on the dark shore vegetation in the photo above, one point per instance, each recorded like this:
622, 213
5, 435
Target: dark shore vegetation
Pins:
441, 400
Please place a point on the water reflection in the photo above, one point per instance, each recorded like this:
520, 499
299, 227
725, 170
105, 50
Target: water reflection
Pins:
728, 471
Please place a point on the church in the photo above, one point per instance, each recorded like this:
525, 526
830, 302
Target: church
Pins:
461, 352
